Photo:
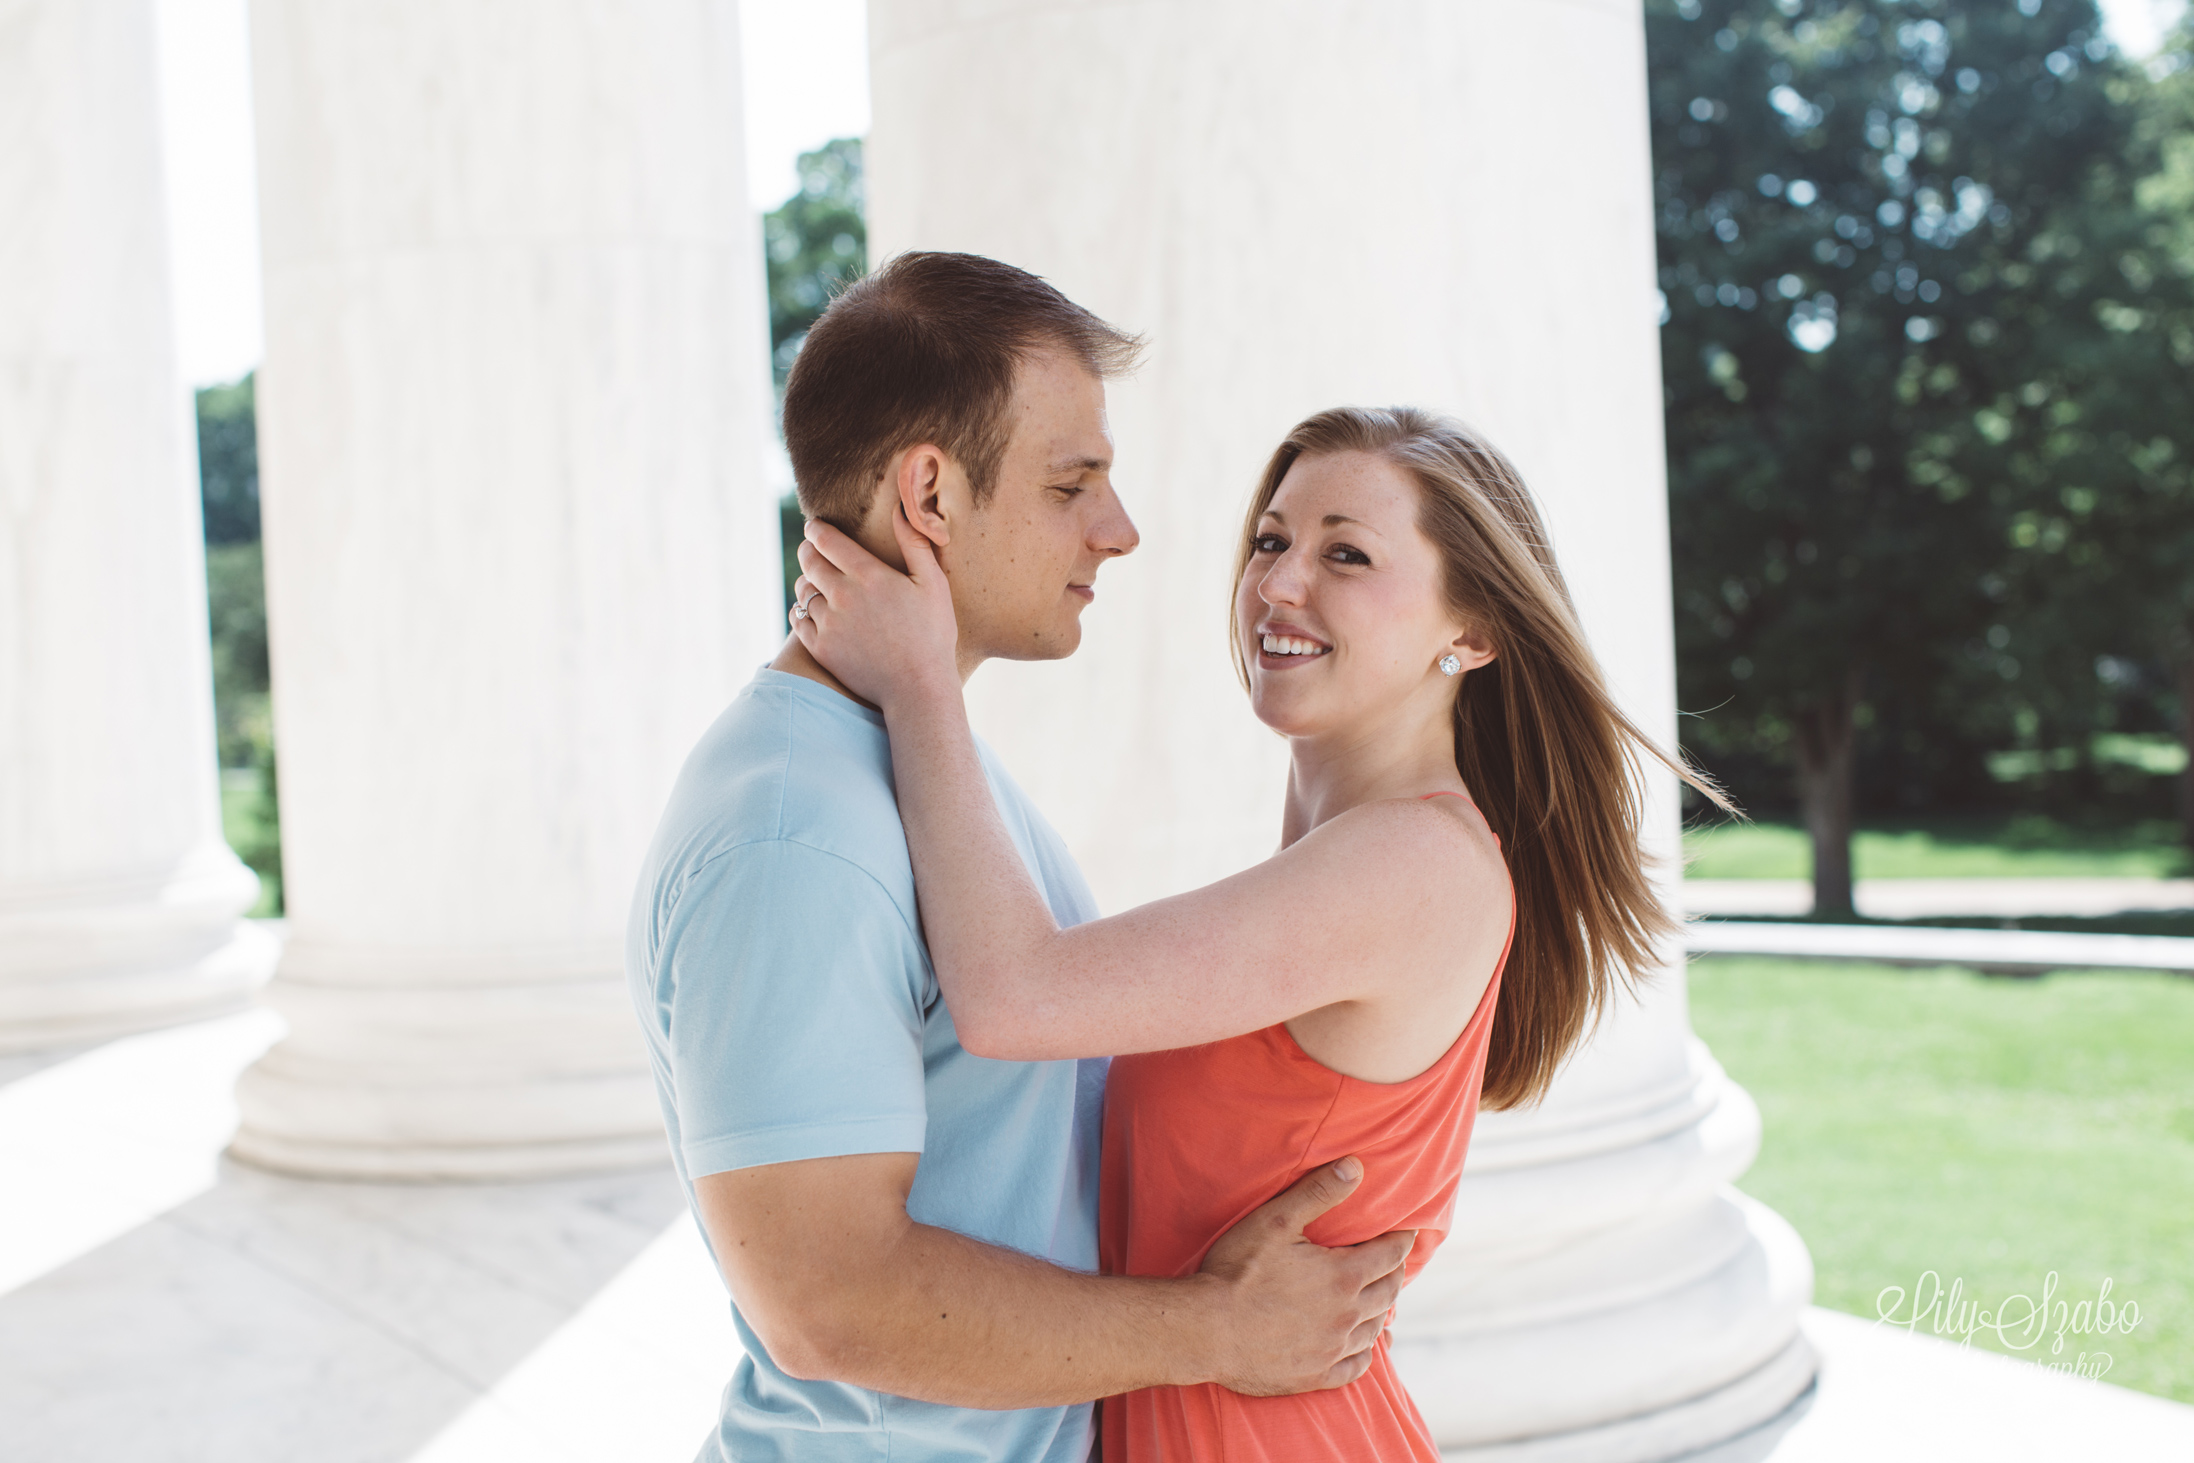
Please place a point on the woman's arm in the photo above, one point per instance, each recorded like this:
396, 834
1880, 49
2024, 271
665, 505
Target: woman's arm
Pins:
1368, 904
1343, 915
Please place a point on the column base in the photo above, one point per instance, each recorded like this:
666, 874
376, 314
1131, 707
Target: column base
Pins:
441, 1064
447, 1163
1604, 1295
89, 961
1701, 1357
1772, 1393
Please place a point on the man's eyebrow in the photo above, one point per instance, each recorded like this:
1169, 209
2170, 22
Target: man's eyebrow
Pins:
1086, 464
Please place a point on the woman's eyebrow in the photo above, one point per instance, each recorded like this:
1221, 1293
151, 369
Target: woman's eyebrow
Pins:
1331, 520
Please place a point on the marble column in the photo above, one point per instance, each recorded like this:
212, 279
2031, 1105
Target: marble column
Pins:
519, 553
1438, 202
119, 903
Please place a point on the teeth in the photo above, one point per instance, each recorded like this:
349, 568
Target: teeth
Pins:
1289, 645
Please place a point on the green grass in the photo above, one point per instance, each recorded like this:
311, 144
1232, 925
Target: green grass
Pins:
1989, 1130
2024, 846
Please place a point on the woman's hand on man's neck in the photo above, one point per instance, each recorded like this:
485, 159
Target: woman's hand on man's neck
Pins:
794, 660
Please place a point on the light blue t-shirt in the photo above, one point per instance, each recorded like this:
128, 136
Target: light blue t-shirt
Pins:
776, 962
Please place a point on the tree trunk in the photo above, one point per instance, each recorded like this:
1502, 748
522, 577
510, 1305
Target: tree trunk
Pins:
1827, 737
2186, 739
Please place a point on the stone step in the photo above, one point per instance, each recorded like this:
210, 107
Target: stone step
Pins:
2018, 951
1929, 898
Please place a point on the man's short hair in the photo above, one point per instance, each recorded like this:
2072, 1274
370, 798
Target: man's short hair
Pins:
925, 349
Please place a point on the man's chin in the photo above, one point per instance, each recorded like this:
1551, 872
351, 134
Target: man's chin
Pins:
1057, 643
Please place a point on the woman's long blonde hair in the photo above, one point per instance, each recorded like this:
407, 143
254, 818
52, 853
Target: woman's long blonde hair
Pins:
1550, 759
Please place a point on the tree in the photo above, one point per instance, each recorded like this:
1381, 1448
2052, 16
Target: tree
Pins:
236, 612
228, 461
816, 243
2144, 599
1886, 229
236, 605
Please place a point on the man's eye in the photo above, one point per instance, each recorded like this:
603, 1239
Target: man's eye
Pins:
1068, 490
1268, 543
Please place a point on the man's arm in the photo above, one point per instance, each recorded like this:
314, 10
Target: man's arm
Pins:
840, 1285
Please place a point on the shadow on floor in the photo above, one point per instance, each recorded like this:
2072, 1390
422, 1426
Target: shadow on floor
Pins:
276, 1319
15, 1066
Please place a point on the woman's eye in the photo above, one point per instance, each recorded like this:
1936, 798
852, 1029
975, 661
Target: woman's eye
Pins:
1348, 555
1268, 543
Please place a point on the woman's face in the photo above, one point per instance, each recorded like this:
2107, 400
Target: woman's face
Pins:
1342, 608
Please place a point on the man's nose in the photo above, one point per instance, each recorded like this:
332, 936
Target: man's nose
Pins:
1114, 532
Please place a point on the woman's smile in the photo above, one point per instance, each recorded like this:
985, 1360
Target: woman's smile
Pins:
1284, 647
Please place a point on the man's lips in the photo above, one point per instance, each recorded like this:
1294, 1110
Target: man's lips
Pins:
1086, 591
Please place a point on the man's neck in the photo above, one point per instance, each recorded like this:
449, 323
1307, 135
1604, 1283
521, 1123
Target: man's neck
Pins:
794, 660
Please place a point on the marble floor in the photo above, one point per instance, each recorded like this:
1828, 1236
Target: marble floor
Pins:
162, 1305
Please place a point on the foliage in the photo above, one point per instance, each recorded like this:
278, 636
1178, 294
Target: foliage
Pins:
791, 524
236, 613
815, 244
2140, 591
1991, 1130
228, 461
250, 823
236, 605
1906, 286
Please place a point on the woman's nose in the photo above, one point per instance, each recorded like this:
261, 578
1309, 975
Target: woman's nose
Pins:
1282, 584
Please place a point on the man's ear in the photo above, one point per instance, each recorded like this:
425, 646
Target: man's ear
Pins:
923, 473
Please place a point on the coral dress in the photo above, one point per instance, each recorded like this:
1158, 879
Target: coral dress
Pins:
1197, 1138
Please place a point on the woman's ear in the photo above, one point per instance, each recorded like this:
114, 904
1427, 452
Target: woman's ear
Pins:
923, 474
1472, 648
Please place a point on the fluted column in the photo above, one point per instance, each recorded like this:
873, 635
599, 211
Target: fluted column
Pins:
519, 553
1443, 203
119, 903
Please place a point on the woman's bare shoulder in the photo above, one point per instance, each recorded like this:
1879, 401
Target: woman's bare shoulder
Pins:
1437, 840
1432, 895
1464, 815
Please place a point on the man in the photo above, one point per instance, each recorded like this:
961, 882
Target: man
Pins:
908, 1230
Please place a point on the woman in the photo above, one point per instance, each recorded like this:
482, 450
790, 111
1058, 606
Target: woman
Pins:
1458, 888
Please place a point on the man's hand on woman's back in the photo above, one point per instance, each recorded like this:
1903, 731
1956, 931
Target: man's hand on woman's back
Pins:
1299, 1316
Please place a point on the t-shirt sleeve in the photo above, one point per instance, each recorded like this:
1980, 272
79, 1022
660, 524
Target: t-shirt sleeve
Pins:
793, 990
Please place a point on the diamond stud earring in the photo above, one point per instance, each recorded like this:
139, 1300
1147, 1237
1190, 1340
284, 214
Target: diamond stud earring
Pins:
1450, 666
